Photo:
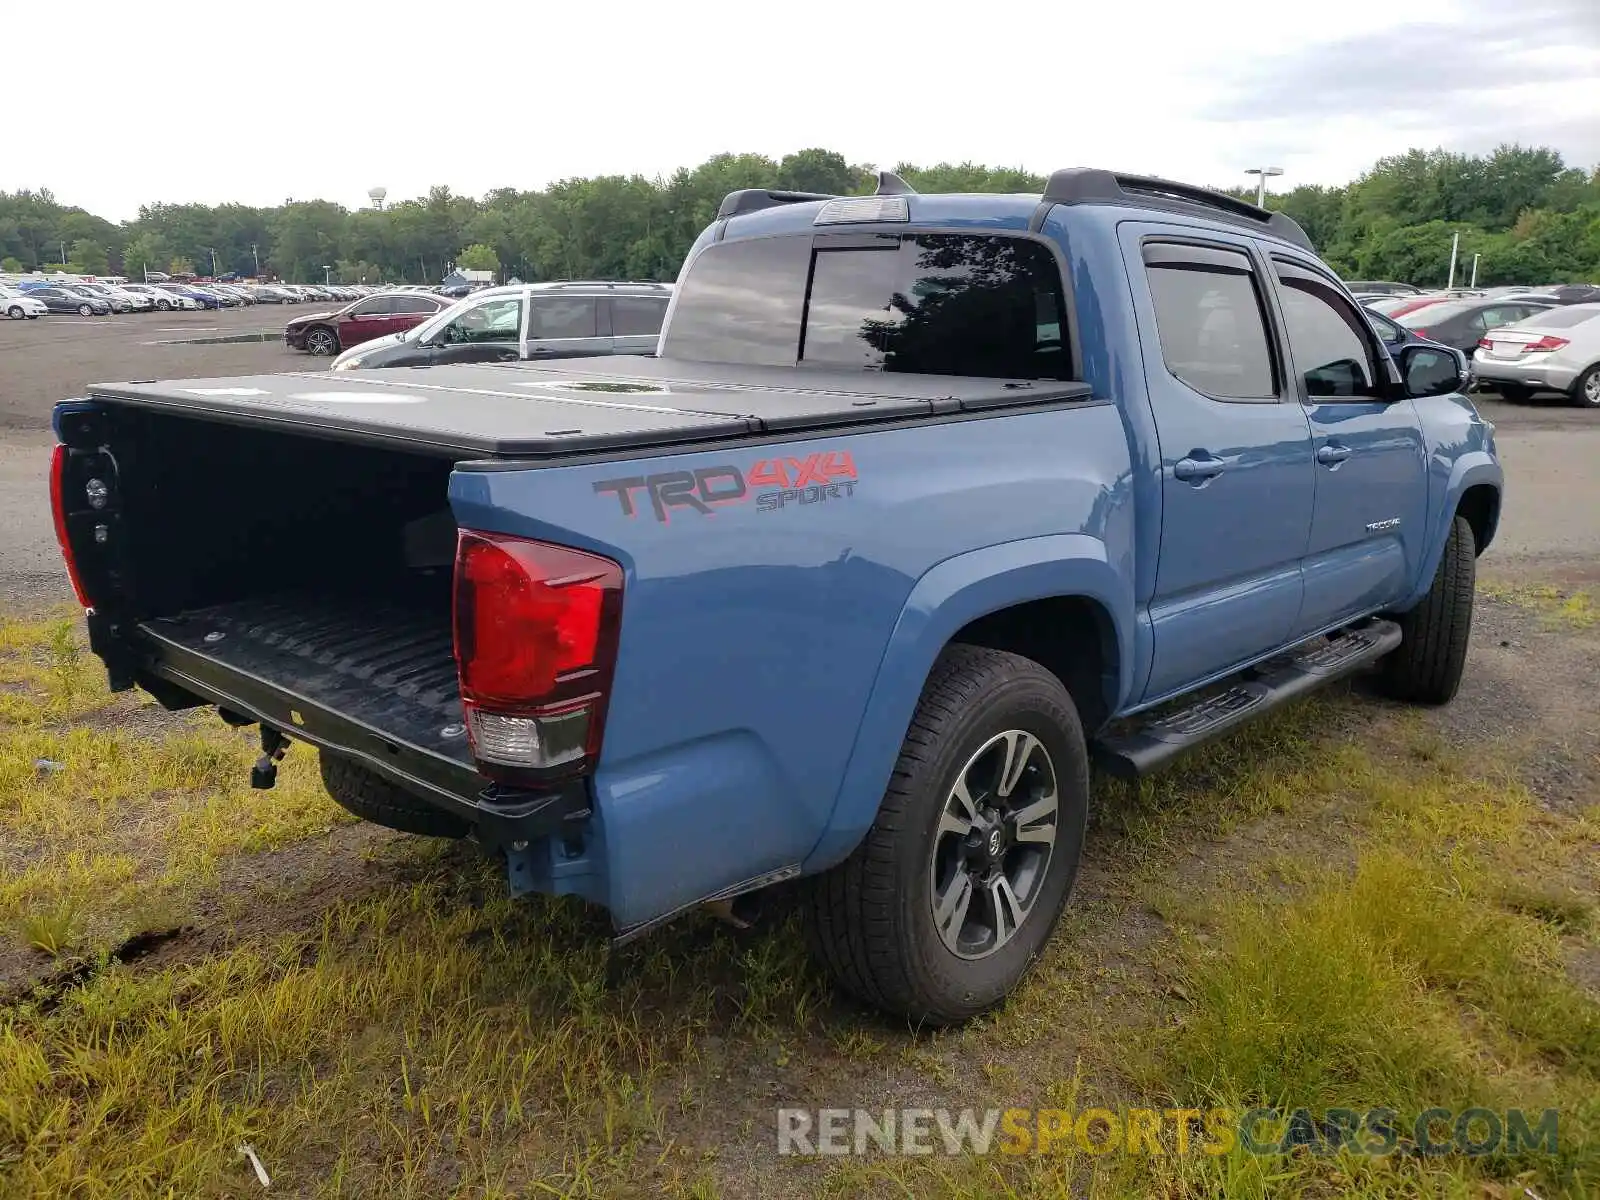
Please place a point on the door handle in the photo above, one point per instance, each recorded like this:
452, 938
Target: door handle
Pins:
1331, 456
1197, 470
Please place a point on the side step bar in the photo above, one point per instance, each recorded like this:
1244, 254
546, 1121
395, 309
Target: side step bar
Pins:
1151, 746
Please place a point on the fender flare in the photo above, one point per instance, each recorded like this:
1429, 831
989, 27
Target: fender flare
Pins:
947, 597
1468, 471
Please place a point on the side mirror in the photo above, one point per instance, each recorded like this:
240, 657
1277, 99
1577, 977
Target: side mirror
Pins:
1432, 371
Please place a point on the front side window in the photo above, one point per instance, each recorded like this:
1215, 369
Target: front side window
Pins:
1328, 339
492, 321
929, 303
1209, 321
562, 317
376, 307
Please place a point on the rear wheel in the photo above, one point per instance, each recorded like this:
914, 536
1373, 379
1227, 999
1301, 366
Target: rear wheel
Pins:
375, 799
322, 341
949, 899
1586, 391
15, 312
1426, 668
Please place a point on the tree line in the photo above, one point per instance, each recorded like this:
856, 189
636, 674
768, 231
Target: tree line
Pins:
1528, 216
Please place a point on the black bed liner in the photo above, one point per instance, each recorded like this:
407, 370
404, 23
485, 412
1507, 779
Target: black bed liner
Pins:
581, 406
384, 673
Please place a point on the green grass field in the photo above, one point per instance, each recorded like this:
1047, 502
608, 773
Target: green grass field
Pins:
1338, 909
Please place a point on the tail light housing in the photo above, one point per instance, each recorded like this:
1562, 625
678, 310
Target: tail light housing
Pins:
1483, 343
59, 459
536, 631
1545, 345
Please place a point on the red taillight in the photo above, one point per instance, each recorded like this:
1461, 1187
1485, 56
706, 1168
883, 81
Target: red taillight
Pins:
58, 506
1545, 343
1483, 344
536, 629
1420, 332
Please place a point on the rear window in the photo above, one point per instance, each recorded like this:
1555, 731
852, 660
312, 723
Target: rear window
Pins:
1560, 318
930, 303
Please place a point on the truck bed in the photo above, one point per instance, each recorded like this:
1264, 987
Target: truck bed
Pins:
527, 411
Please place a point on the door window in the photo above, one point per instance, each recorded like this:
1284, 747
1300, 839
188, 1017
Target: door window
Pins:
377, 306
1328, 339
1210, 322
561, 317
636, 316
412, 304
491, 321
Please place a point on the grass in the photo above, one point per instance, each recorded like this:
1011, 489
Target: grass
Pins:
1334, 909
1558, 608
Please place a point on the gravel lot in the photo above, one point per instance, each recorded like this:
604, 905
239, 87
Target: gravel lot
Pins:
1550, 528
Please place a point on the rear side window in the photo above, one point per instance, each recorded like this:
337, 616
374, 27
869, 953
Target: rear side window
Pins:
634, 316
1209, 319
928, 303
562, 317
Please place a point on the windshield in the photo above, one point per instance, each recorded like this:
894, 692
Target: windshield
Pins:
1432, 314
932, 303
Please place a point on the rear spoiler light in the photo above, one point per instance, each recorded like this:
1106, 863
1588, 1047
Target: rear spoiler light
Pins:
536, 633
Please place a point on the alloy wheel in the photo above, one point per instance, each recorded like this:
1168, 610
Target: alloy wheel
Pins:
992, 850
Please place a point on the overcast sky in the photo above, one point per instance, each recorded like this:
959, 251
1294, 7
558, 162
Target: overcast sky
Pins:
112, 105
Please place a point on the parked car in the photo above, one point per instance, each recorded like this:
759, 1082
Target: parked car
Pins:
161, 297
1382, 287
1460, 323
1396, 337
1557, 350
537, 321
119, 300
202, 299
59, 299
270, 294
19, 305
849, 583
326, 333
1576, 293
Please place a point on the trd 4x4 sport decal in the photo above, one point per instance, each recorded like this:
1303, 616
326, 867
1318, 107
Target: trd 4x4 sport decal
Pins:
775, 483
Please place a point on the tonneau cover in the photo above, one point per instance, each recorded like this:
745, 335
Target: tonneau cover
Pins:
527, 410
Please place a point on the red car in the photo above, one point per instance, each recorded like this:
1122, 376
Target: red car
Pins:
327, 333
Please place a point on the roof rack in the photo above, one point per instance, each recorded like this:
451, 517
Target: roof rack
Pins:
1088, 185
610, 283
748, 200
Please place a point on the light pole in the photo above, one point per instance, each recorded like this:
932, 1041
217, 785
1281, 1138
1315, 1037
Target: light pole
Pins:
327, 273
212, 251
256, 254
1261, 183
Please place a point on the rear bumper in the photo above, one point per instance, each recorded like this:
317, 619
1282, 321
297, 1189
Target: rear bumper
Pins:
1554, 377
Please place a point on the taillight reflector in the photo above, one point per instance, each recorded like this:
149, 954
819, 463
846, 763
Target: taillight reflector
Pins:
58, 507
536, 630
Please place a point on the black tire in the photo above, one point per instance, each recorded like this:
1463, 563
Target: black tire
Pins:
1513, 393
870, 920
321, 341
375, 799
163, 305
15, 312
1586, 389
1426, 668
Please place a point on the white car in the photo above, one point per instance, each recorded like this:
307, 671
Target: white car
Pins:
1557, 350
160, 297
18, 305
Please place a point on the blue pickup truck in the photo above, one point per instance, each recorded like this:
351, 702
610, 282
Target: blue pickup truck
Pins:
926, 503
